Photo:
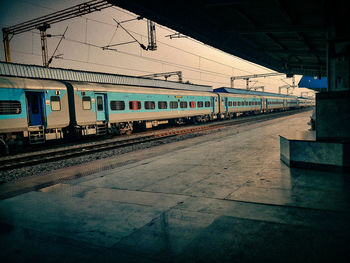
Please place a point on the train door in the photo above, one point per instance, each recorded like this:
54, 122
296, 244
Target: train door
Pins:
213, 103
100, 106
35, 108
264, 104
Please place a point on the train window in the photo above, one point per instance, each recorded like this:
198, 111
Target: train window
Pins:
183, 104
246, 103
10, 107
200, 104
230, 103
99, 103
86, 103
117, 105
250, 103
192, 104
239, 103
174, 104
207, 104
234, 103
55, 103
150, 105
34, 104
134, 105
162, 105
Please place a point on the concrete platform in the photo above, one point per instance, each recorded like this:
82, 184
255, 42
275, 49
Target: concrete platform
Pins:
223, 197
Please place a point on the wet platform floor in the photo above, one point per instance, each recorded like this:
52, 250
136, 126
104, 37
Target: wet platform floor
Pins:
222, 197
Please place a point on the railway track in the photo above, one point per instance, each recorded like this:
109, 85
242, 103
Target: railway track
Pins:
29, 159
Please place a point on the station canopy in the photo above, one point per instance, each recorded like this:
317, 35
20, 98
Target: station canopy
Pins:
286, 36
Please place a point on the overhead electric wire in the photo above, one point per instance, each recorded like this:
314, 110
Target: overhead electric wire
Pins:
190, 68
113, 66
85, 62
169, 30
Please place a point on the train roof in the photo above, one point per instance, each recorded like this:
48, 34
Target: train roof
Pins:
29, 84
84, 86
60, 74
251, 92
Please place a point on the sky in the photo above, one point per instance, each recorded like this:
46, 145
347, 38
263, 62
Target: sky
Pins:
81, 48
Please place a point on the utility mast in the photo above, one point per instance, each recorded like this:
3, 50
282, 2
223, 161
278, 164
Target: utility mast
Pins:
166, 75
44, 22
43, 36
152, 42
289, 88
247, 77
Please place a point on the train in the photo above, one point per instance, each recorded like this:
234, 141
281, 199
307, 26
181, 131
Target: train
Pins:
37, 110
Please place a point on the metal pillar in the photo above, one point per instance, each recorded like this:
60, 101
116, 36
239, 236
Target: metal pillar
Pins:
44, 51
283, 87
332, 107
166, 75
6, 41
152, 44
232, 82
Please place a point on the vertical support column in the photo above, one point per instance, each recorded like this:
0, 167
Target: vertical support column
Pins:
331, 84
332, 107
152, 44
6, 42
44, 51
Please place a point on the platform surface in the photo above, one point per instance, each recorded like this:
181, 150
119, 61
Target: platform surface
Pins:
222, 197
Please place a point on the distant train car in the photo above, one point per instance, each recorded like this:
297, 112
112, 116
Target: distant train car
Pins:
232, 104
305, 102
102, 108
33, 110
235, 101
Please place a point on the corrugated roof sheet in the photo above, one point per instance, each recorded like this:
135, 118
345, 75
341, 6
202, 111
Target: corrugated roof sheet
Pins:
251, 92
39, 72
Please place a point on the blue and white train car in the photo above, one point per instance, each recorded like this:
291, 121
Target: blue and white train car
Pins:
232, 104
96, 108
32, 109
233, 101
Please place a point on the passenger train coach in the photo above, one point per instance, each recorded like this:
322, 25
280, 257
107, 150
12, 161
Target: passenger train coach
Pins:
36, 110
